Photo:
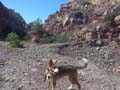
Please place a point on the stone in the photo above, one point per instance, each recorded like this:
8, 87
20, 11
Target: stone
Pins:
117, 20
35, 39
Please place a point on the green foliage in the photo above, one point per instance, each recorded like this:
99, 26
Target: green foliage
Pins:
48, 40
36, 26
13, 40
88, 2
56, 39
27, 38
62, 38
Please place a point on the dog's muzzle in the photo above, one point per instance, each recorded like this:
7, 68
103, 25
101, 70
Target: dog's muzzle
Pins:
50, 73
48, 76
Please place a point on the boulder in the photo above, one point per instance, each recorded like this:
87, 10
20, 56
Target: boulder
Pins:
117, 20
35, 39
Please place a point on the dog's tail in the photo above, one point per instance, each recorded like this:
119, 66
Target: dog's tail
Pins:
85, 64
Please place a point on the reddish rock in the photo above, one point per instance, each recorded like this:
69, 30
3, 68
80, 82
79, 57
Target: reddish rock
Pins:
78, 17
11, 21
35, 39
117, 20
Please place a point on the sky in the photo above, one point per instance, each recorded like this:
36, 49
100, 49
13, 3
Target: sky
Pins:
30, 10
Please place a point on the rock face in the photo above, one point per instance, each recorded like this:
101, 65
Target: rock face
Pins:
103, 1
10, 21
80, 17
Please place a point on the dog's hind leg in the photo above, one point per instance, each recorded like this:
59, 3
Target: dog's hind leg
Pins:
74, 80
78, 85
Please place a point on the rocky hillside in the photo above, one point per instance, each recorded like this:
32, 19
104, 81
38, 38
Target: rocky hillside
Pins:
86, 19
10, 21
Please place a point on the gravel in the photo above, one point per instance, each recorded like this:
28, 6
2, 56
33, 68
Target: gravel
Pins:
24, 69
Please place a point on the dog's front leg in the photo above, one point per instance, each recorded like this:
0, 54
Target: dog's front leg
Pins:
53, 85
49, 85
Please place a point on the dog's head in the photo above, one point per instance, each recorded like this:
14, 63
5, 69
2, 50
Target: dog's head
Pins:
51, 70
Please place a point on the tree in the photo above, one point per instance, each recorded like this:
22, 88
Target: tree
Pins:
36, 26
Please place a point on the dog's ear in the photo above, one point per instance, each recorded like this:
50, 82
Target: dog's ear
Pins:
54, 61
50, 63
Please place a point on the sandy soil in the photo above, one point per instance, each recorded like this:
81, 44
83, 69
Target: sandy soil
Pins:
23, 69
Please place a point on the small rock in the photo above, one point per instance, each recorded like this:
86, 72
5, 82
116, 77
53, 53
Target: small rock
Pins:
34, 69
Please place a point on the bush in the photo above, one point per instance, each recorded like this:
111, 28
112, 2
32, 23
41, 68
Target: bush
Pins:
27, 38
56, 39
36, 26
62, 38
48, 39
13, 40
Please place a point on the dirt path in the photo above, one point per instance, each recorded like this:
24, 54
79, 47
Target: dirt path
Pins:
24, 69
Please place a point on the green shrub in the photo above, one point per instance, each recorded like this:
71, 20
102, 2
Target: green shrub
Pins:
88, 2
13, 40
56, 39
36, 26
47, 40
27, 38
62, 38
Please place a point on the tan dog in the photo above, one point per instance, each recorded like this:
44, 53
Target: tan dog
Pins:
53, 73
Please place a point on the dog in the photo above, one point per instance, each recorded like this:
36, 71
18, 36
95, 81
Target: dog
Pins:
54, 73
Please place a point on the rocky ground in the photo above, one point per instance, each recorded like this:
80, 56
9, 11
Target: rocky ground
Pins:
23, 69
